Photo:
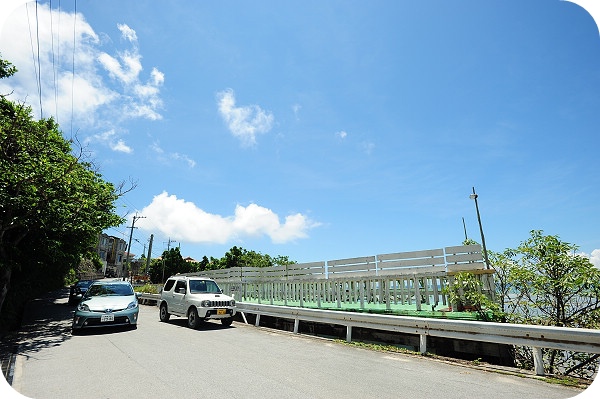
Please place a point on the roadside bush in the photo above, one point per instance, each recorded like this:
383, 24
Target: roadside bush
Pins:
147, 289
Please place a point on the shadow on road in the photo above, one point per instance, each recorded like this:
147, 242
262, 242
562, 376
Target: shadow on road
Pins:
46, 323
204, 326
104, 330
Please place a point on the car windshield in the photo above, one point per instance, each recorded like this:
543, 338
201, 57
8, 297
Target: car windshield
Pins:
84, 284
204, 286
109, 289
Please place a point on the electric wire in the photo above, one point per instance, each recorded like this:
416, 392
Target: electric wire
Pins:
54, 69
35, 68
37, 33
73, 68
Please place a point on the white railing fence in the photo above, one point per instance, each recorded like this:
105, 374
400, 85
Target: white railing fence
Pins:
404, 278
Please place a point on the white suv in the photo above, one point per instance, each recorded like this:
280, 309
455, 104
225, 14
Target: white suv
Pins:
197, 298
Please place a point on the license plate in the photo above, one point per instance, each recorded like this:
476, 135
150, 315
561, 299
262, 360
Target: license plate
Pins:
221, 311
107, 317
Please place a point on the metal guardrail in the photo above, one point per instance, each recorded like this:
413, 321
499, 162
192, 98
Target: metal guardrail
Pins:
536, 337
144, 298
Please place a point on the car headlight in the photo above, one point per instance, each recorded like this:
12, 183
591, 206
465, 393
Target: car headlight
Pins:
205, 303
233, 302
132, 305
83, 307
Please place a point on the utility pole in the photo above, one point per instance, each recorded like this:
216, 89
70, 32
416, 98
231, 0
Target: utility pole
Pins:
163, 260
149, 254
136, 217
485, 256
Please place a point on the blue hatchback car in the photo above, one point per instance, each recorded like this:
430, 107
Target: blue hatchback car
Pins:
107, 303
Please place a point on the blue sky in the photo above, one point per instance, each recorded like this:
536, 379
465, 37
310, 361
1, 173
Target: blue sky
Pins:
323, 130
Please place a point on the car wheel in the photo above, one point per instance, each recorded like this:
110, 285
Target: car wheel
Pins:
227, 322
193, 318
164, 313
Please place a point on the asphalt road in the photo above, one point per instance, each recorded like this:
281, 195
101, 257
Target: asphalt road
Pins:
169, 360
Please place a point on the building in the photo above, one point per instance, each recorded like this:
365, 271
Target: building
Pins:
112, 251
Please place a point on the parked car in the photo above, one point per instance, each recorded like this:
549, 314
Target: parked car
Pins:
107, 303
197, 298
77, 290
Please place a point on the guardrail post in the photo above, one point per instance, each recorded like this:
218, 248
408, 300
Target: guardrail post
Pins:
361, 292
296, 325
348, 333
319, 290
257, 323
388, 304
538, 361
417, 293
422, 343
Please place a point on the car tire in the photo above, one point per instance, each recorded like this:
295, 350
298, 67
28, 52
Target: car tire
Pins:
193, 318
164, 313
227, 322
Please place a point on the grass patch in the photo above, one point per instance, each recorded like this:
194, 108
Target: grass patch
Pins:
376, 347
566, 381
146, 288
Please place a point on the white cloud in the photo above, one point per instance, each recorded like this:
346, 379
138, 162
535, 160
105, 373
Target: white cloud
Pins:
184, 221
109, 138
182, 157
368, 147
594, 257
243, 122
164, 157
296, 108
106, 88
127, 33
341, 134
121, 147
125, 69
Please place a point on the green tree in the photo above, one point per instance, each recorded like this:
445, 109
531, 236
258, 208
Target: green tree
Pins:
52, 205
465, 290
203, 264
171, 263
546, 283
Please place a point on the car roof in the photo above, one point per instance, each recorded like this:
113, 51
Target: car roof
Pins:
182, 277
112, 282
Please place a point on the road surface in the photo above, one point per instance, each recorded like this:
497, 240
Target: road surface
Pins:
168, 360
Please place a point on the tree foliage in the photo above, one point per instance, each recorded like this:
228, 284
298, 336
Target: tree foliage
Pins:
466, 291
53, 205
543, 281
173, 263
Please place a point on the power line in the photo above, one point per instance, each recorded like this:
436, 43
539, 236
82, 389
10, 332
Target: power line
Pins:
54, 70
129, 246
37, 33
73, 68
36, 68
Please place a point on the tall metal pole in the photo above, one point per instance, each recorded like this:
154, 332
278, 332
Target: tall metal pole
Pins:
485, 255
149, 254
129, 245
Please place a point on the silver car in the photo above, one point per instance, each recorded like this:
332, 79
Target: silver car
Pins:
107, 303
